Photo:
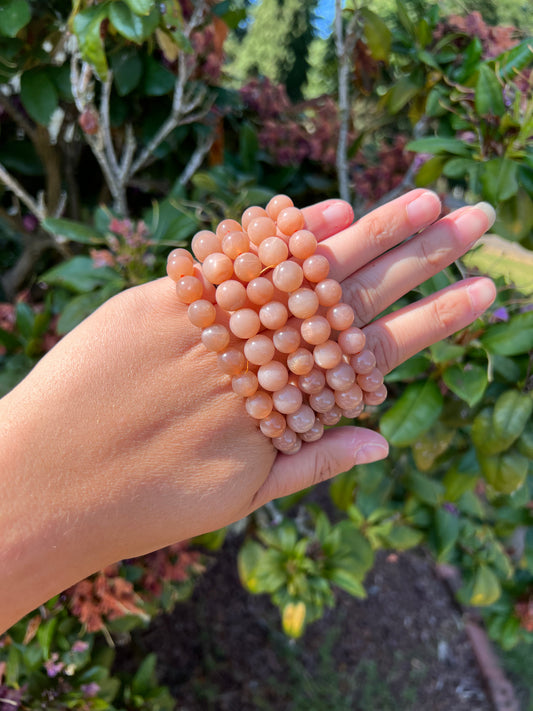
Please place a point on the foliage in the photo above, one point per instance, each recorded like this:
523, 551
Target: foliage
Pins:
100, 143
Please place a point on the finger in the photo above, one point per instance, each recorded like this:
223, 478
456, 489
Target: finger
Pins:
379, 231
328, 217
398, 336
382, 282
338, 450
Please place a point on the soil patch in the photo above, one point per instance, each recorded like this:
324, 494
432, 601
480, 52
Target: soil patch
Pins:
401, 649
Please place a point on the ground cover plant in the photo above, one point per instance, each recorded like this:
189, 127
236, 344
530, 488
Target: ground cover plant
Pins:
122, 133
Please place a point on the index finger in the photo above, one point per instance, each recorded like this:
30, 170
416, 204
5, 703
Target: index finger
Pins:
328, 217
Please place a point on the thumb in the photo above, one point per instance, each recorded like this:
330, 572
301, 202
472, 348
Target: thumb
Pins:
338, 451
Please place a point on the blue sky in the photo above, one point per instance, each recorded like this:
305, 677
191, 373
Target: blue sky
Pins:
325, 14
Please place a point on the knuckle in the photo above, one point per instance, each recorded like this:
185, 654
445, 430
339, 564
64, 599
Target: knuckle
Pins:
377, 231
445, 311
433, 258
385, 348
362, 298
324, 467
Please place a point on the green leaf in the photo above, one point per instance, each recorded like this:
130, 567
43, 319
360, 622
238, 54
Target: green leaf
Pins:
14, 15
45, 635
401, 538
498, 257
458, 168
354, 552
512, 338
83, 305
505, 472
71, 230
430, 171
140, 7
408, 370
378, 37
447, 530
444, 352
39, 95
342, 490
412, 414
511, 413
439, 144
127, 70
293, 618
86, 26
157, 79
25, 319
131, 26
427, 490
79, 275
401, 93
144, 679
489, 93
499, 179
486, 589
249, 558
483, 434
468, 382
11, 342
515, 59
347, 581
525, 442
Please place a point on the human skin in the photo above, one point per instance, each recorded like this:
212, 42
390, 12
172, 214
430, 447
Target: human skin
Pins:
125, 438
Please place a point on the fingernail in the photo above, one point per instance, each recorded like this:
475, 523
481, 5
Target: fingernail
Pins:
489, 211
338, 215
471, 222
425, 208
371, 452
482, 293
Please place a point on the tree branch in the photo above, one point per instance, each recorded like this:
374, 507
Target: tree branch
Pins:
196, 159
16, 188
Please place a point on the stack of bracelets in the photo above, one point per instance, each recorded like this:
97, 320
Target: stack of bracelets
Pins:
290, 347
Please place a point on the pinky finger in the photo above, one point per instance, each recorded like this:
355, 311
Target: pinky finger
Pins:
400, 335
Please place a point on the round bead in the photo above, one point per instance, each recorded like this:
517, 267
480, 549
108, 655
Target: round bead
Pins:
322, 401
352, 340
247, 266
302, 420
301, 361
231, 361
340, 316
315, 433
316, 268
245, 384
288, 442
217, 267
189, 289
205, 243
329, 292
313, 382
273, 376
287, 276
259, 350
179, 264
352, 412
235, 243
244, 323
377, 397
202, 313
341, 377
277, 204
349, 398
273, 251
370, 382
330, 418
303, 303
260, 228
273, 425
363, 362
273, 315
259, 405
231, 295
315, 330
288, 399
250, 214
286, 339
227, 226
215, 337
209, 289
289, 220
260, 290
328, 354
302, 244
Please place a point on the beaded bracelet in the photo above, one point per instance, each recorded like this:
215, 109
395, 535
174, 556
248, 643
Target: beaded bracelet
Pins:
295, 355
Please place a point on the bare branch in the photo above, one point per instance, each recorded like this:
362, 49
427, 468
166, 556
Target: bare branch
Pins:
11, 183
196, 159
105, 124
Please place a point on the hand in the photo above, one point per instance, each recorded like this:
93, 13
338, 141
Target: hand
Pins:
125, 437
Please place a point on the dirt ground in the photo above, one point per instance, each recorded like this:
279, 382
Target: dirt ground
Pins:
401, 649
